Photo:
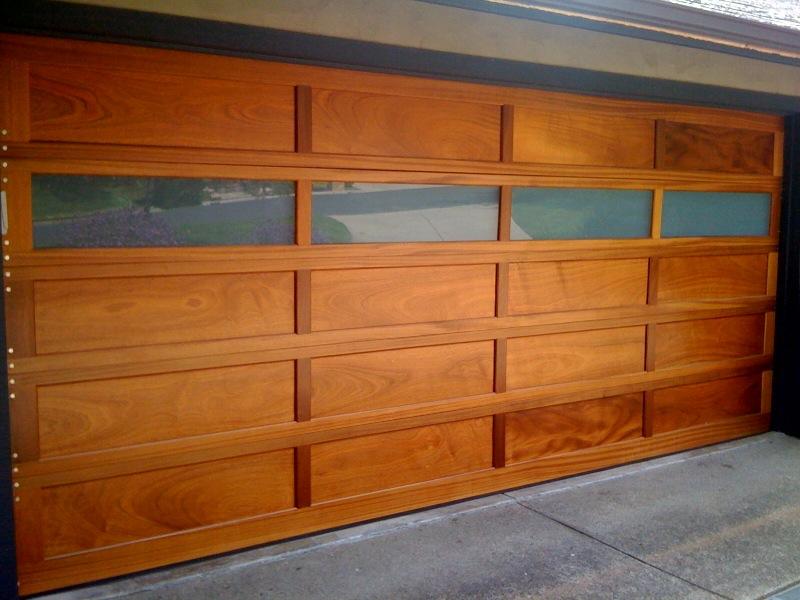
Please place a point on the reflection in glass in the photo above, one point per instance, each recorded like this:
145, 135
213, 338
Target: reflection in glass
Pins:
572, 213
86, 211
688, 214
346, 213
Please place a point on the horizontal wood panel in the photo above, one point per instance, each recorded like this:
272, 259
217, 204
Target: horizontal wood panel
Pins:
160, 551
575, 285
706, 277
70, 52
566, 428
546, 359
110, 413
123, 509
582, 138
360, 465
92, 263
359, 382
82, 157
346, 122
118, 312
131, 459
707, 147
365, 297
125, 107
688, 342
701, 403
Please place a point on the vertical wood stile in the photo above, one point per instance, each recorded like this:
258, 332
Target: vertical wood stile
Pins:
647, 414
501, 302
24, 420
302, 476
303, 118
302, 218
303, 296
772, 274
777, 158
21, 325
507, 133
15, 103
775, 215
769, 332
658, 209
650, 342
28, 525
499, 420
766, 392
658, 157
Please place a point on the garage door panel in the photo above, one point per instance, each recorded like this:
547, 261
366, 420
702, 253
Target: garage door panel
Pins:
565, 428
382, 125
575, 285
112, 413
582, 138
247, 301
691, 146
366, 297
709, 277
701, 403
688, 342
370, 381
562, 357
94, 514
367, 464
73, 104
119, 312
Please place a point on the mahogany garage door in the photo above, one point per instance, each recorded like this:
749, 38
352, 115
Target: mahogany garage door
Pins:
247, 300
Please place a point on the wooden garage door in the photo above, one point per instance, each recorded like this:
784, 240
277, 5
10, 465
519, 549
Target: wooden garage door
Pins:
247, 300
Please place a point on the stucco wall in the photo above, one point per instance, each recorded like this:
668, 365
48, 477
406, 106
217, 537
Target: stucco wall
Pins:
422, 25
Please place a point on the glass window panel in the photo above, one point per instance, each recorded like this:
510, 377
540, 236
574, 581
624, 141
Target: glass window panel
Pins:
689, 214
87, 211
573, 213
345, 213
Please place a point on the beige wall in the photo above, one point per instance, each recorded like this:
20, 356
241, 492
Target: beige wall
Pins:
421, 25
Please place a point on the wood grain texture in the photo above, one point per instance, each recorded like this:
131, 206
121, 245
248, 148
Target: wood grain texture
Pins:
109, 313
127, 558
143, 360
358, 382
711, 148
561, 357
302, 100
206, 467
566, 428
706, 277
372, 124
766, 392
702, 403
302, 476
93, 415
574, 285
14, 99
365, 297
377, 462
582, 138
125, 107
133, 459
123, 509
688, 342
507, 133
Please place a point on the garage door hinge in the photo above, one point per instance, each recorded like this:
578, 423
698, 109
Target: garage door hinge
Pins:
3, 213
